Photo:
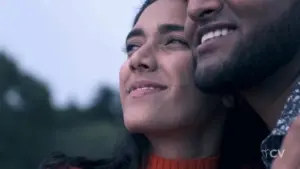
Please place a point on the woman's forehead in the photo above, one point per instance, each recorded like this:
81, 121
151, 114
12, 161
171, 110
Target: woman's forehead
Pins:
163, 11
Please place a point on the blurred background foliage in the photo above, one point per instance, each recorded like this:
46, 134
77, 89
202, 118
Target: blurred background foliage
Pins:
31, 126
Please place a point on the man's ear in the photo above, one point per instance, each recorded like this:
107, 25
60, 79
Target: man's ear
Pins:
228, 101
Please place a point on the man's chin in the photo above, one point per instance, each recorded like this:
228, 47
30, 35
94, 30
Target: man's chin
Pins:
212, 83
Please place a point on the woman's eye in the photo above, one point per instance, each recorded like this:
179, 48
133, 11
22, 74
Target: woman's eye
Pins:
176, 41
131, 47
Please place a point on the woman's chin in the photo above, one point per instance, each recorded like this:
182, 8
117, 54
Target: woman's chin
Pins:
149, 127
141, 127
137, 126
139, 119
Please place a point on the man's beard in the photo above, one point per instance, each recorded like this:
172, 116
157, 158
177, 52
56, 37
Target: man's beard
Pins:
258, 56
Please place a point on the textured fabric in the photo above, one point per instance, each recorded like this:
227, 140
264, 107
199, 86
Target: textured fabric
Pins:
160, 163
272, 143
156, 162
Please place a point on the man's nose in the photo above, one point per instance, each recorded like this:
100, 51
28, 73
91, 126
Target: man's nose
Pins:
200, 10
143, 61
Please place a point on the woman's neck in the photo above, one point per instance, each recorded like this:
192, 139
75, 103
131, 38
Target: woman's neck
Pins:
190, 142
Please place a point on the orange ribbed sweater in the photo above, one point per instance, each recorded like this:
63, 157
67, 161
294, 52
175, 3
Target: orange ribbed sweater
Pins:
156, 162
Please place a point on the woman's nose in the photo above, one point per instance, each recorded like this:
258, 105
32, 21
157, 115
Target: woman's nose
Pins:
143, 61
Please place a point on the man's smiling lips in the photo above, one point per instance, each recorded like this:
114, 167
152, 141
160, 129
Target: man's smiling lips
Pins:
144, 87
211, 33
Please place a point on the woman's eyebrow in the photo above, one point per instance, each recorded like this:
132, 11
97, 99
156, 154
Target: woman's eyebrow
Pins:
135, 32
167, 28
162, 29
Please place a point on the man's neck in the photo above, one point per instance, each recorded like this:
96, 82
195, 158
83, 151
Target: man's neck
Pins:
268, 99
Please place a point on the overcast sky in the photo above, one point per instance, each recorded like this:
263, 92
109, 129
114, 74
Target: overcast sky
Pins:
74, 45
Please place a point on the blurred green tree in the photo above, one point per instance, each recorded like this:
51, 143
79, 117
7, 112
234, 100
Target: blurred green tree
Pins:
31, 126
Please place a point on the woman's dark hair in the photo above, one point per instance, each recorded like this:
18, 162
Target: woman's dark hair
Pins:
243, 132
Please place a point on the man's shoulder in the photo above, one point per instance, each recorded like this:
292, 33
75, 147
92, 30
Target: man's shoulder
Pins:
291, 110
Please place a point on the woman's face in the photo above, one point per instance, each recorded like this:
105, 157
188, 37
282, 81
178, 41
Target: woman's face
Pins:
156, 82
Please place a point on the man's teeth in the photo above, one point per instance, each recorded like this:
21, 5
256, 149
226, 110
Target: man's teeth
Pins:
214, 34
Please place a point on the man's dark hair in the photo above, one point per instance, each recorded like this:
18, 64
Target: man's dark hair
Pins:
242, 135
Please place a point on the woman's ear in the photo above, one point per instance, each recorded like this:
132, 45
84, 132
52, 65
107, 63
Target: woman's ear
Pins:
228, 101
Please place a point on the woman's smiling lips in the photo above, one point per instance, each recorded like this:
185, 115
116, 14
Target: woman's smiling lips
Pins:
141, 88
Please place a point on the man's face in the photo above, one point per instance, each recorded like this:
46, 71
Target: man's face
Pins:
238, 43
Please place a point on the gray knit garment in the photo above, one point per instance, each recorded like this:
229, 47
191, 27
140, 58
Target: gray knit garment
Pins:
272, 143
